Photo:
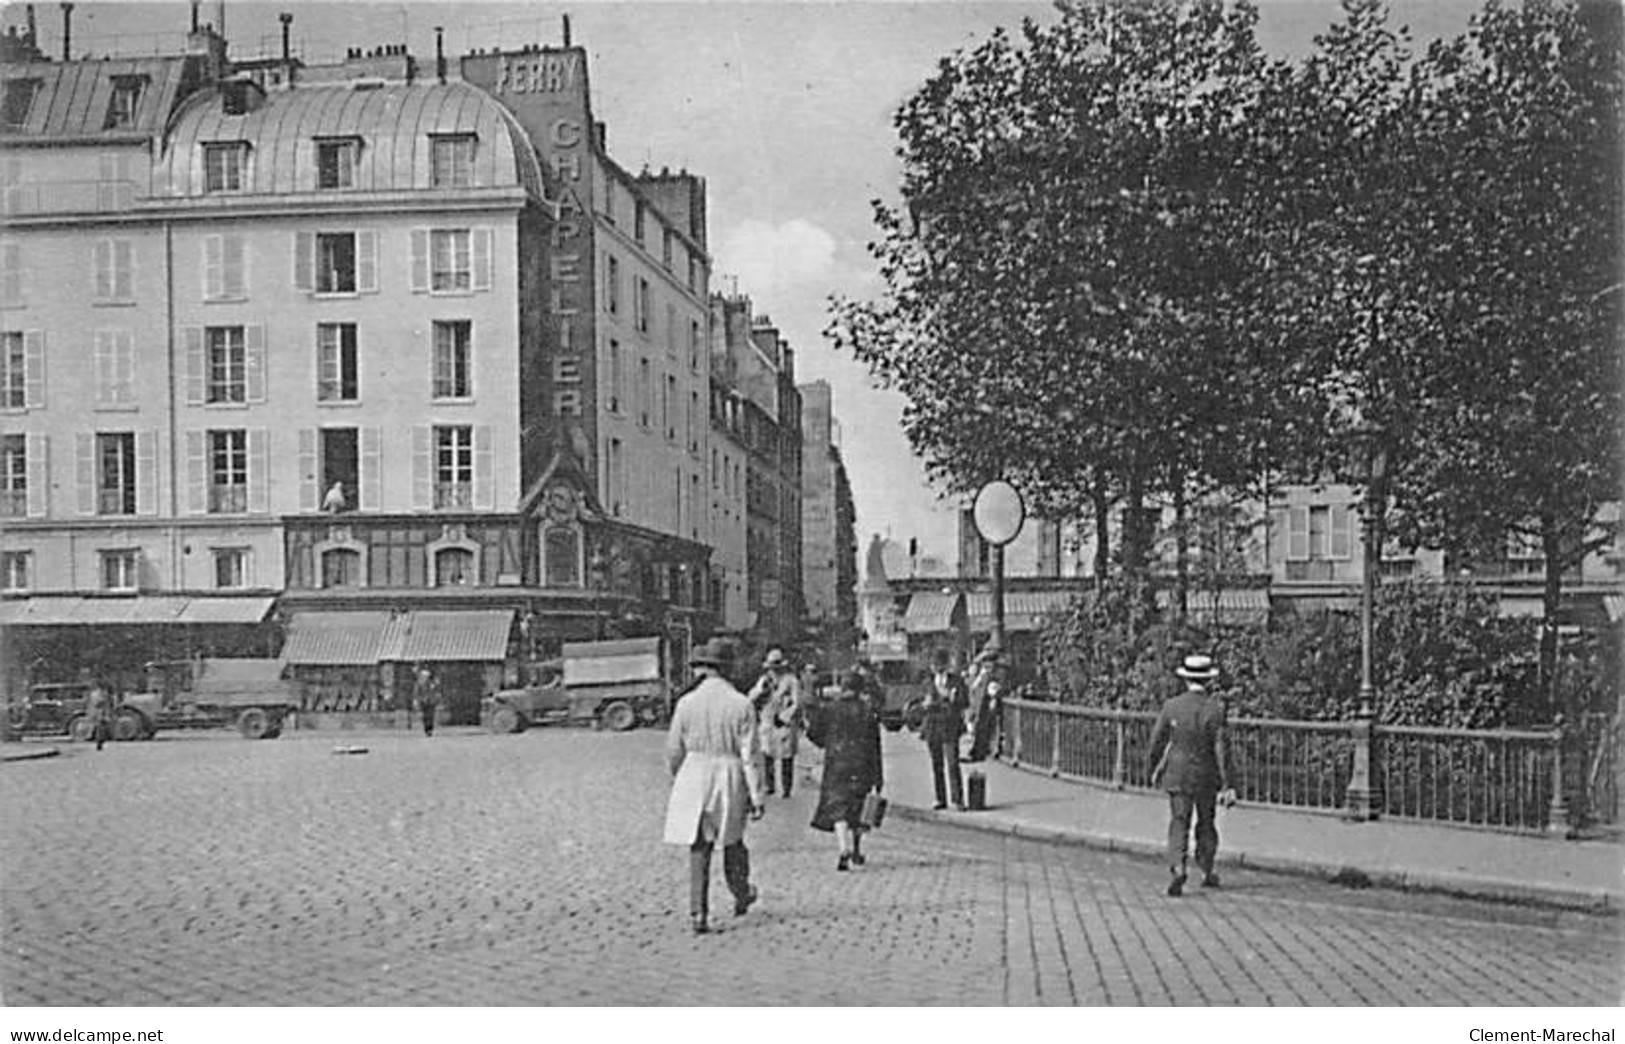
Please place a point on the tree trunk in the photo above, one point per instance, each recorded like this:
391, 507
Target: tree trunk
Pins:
1181, 548
1551, 598
1103, 530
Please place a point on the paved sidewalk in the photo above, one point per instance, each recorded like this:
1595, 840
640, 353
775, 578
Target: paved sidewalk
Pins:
1587, 875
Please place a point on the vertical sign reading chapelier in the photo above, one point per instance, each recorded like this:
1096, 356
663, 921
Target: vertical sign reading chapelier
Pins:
547, 92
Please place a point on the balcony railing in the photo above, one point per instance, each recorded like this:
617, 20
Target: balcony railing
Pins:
1502, 779
228, 500
13, 503
59, 197
453, 494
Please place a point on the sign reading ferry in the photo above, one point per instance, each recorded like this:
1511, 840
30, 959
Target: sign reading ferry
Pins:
537, 73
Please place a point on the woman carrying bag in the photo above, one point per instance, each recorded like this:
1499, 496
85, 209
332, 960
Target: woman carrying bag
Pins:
849, 733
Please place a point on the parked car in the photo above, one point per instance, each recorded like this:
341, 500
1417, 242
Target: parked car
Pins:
612, 685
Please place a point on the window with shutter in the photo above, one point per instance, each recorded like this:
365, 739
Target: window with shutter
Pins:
13, 371
14, 475
15, 567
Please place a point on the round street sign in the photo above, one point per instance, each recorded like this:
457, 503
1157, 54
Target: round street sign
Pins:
999, 512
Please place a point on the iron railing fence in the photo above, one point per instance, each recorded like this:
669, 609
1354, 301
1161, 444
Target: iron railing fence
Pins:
1501, 779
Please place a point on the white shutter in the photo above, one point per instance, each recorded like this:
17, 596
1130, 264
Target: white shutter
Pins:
1297, 544
304, 261
484, 469
234, 268
420, 260
422, 468
104, 270
105, 366
482, 258
84, 471
366, 262
254, 363
372, 469
1342, 544
309, 486
38, 448
197, 473
259, 471
123, 271
146, 472
34, 369
196, 365
213, 275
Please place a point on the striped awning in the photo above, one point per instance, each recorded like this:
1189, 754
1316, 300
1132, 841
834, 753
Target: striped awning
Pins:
1023, 610
930, 612
1237, 605
479, 635
335, 639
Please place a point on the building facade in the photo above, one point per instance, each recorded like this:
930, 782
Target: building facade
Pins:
828, 524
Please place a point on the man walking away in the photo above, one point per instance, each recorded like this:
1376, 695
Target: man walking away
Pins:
1190, 755
945, 703
99, 709
712, 750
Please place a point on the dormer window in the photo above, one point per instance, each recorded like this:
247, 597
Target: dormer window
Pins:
335, 163
16, 103
451, 162
223, 166
121, 108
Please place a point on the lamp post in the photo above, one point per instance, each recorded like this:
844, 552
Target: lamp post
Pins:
999, 514
1364, 795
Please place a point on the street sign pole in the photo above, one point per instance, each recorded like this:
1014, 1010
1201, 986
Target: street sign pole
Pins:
999, 514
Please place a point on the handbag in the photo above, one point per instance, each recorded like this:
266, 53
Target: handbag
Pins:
873, 811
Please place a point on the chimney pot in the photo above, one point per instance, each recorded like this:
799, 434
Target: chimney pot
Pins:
67, 30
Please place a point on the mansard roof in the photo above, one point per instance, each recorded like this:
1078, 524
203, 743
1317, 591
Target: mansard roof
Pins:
394, 123
71, 99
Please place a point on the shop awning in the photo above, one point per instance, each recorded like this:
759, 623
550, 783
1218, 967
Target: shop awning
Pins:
1023, 610
930, 612
64, 610
227, 610
59, 610
335, 639
478, 635
1234, 606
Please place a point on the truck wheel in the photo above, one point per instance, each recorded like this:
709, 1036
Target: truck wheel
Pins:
505, 720
253, 723
618, 716
128, 725
80, 729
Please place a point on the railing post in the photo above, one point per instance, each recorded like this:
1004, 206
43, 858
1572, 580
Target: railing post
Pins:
1557, 814
1015, 733
1055, 743
1119, 746
1363, 797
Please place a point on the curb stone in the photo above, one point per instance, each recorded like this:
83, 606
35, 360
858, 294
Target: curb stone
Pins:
1581, 900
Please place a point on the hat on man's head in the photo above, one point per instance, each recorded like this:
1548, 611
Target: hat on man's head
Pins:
775, 658
714, 653
990, 652
1197, 668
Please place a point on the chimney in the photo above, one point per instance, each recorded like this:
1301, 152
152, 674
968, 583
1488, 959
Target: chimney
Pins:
567, 30
194, 15
33, 37
440, 53
67, 29
287, 24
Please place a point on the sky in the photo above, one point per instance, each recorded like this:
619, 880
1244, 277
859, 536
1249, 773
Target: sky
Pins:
786, 110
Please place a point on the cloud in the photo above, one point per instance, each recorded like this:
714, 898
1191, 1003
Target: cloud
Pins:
769, 258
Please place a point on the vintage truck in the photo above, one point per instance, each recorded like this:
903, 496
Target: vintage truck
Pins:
249, 695
611, 684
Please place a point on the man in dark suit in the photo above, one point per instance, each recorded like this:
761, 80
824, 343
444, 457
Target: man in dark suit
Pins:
1190, 754
945, 701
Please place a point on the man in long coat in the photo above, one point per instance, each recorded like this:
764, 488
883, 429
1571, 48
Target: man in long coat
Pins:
777, 697
945, 701
712, 751
1190, 753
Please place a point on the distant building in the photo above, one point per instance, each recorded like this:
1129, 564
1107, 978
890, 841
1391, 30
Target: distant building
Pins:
828, 533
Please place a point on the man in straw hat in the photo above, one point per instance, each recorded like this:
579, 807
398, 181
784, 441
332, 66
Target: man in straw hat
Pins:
780, 709
1189, 753
712, 751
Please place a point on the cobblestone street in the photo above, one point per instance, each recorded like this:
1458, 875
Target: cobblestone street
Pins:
473, 869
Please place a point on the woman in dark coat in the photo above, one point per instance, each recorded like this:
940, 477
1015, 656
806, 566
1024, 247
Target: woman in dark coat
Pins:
849, 734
